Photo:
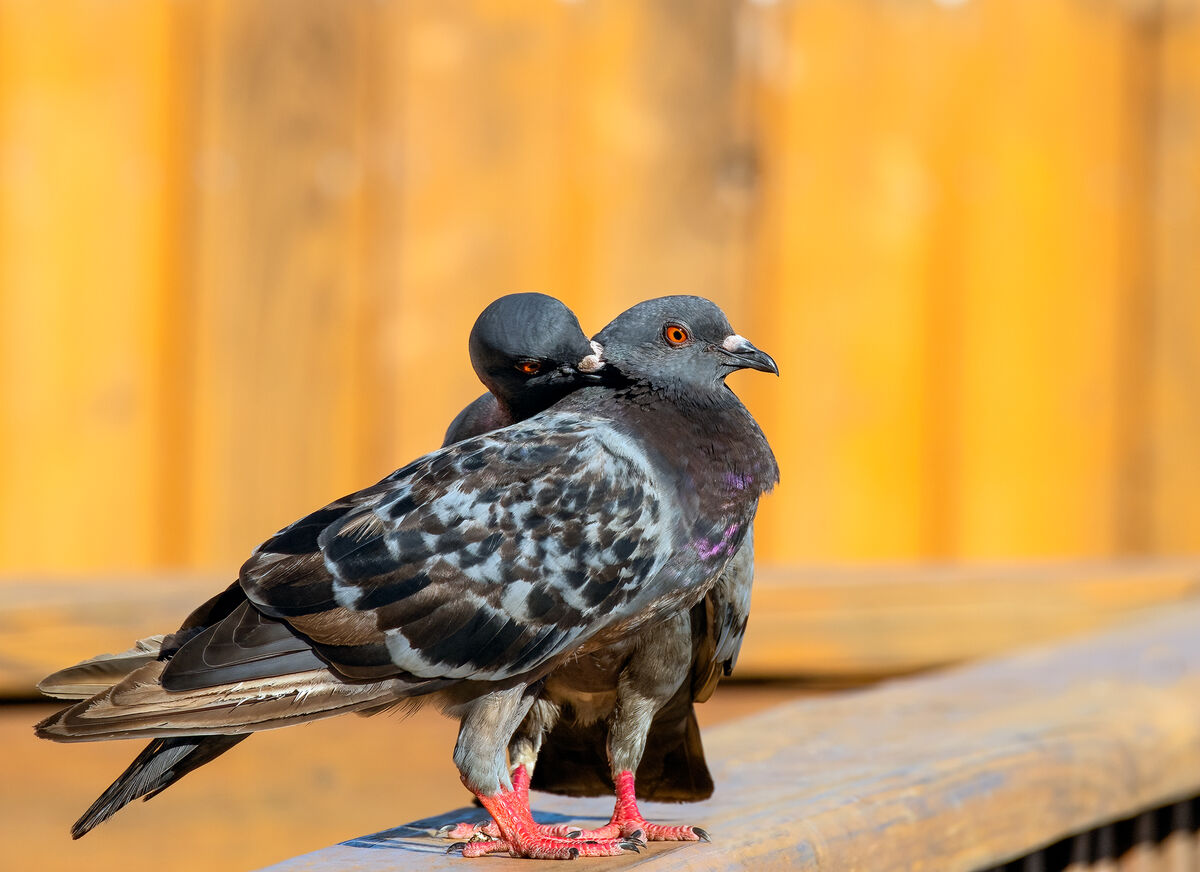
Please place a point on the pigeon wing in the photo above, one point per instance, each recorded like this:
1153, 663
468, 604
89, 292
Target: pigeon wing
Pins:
484, 560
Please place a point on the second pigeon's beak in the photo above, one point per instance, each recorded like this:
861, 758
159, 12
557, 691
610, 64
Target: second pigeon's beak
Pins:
743, 355
593, 362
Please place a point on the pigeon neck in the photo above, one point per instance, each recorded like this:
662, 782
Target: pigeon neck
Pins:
713, 426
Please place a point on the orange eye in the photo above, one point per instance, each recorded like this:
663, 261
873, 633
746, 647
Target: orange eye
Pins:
675, 335
530, 367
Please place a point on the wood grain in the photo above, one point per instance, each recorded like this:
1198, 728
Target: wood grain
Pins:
842, 624
821, 625
242, 243
956, 772
86, 212
279, 793
1170, 450
1042, 287
283, 385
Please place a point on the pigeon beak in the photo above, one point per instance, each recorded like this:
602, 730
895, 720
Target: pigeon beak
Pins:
745, 356
593, 362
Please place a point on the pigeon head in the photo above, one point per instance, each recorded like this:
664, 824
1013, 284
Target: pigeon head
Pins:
529, 351
678, 341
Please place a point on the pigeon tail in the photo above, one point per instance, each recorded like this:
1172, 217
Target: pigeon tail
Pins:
161, 764
139, 707
93, 675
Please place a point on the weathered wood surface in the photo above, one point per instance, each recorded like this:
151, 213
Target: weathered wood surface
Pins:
831, 624
827, 622
955, 772
279, 794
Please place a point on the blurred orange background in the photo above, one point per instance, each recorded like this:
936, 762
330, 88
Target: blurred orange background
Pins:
242, 245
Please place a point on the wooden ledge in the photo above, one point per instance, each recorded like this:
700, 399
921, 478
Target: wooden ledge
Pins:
826, 623
956, 771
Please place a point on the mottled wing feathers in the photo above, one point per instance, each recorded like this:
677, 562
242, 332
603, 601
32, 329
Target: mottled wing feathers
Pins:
245, 645
483, 560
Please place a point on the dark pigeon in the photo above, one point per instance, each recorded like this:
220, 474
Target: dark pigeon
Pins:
472, 573
527, 348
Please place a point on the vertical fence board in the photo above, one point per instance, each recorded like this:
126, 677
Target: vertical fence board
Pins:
1175, 436
85, 225
477, 116
1042, 269
571, 149
283, 392
853, 99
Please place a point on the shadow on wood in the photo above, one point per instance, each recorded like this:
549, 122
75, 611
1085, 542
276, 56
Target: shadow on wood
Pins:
956, 771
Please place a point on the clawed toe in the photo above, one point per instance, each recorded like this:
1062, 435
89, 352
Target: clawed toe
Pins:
543, 848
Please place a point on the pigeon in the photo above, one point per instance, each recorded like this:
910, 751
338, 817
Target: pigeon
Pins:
635, 700
471, 574
528, 349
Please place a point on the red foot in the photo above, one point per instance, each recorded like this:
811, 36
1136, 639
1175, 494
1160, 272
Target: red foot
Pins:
487, 829
521, 836
627, 821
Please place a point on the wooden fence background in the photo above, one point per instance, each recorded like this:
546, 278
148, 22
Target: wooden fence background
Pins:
242, 243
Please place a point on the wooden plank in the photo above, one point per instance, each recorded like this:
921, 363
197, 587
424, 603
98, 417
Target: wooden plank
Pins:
847, 218
825, 625
1049, 149
573, 149
282, 321
1174, 474
842, 624
86, 221
279, 793
957, 771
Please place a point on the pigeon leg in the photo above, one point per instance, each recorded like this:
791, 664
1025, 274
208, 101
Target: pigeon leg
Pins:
522, 752
519, 835
629, 820
646, 684
520, 778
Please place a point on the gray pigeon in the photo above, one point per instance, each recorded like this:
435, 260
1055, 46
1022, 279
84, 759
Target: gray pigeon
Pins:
527, 348
472, 573
574, 750
634, 699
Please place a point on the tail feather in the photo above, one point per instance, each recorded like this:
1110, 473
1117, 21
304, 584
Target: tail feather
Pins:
161, 764
573, 760
139, 707
93, 675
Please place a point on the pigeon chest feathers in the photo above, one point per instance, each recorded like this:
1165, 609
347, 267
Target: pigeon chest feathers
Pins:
715, 457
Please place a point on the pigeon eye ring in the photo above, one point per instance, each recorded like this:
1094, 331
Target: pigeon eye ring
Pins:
530, 367
676, 334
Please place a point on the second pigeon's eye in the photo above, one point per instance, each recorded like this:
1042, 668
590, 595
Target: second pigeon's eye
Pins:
530, 367
675, 335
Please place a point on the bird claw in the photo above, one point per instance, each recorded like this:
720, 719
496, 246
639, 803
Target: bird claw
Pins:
464, 830
457, 846
701, 834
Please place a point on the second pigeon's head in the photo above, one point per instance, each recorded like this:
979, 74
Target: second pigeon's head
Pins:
678, 342
530, 352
